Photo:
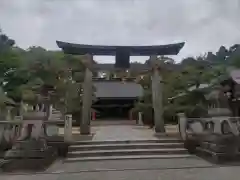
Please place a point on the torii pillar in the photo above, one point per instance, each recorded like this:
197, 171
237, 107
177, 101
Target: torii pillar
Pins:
85, 126
157, 90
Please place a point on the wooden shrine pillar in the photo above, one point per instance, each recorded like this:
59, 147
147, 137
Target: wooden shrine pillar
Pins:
85, 128
157, 90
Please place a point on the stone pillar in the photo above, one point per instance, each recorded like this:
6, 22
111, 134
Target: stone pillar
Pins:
68, 128
157, 89
140, 122
87, 103
8, 115
37, 107
50, 108
182, 125
21, 109
18, 127
109, 73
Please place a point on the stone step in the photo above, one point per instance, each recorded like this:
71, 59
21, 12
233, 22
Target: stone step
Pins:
56, 118
162, 140
125, 146
56, 112
125, 152
163, 156
56, 115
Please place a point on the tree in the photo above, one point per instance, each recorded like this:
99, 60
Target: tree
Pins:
4, 101
8, 63
8, 58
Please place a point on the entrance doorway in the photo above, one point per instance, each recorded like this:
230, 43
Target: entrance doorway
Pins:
113, 109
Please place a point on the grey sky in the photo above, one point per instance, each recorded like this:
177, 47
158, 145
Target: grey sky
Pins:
203, 24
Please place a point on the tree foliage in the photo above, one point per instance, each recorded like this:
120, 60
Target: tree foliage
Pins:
190, 73
37, 75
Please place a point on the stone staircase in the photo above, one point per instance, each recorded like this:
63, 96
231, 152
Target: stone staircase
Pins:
133, 149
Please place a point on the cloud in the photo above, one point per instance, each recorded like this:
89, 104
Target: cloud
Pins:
204, 25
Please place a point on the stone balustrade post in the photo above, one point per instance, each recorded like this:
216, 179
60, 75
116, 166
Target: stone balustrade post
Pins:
50, 110
68, 128
182, 125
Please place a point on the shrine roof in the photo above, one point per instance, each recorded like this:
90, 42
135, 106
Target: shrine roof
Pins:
80, 49
111, 67
117, 89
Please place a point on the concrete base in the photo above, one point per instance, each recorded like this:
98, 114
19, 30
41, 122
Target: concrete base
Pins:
30, 163
79, 137
29, 155
58, 143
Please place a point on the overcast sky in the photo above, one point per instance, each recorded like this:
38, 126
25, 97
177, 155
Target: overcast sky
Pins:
204, 25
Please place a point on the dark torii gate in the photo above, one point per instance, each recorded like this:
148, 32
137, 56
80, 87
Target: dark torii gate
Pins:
122, 62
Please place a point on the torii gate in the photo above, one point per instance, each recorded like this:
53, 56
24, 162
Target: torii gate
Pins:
122, 62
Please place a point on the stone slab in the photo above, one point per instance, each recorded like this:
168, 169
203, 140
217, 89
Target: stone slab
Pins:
132, 157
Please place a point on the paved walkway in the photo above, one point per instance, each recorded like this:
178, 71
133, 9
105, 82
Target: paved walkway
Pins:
122, 132
188, 173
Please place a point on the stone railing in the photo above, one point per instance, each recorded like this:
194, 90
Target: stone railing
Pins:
215, 136
18, 129
9, 132
219, 125
33, 141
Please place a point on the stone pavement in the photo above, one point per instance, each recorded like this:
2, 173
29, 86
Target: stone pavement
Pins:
209, 173
122, 165
123, 132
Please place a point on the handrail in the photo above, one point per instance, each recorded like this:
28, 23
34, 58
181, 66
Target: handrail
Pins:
57, 122
17, 122
182, 125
